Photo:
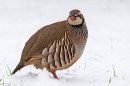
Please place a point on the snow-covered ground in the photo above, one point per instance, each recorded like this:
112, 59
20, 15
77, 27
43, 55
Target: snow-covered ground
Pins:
105, 61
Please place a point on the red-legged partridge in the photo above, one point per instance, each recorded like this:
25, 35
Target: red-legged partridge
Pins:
56, 46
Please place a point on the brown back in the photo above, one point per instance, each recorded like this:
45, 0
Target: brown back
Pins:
42, 38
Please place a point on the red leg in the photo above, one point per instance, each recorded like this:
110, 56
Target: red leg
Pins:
54, 74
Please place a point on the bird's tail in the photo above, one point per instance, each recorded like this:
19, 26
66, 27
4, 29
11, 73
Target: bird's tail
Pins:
18, 67
35, 60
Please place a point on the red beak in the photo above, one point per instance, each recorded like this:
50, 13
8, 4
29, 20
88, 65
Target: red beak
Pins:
72, 18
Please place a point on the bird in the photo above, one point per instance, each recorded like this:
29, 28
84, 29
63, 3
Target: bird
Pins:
56, 46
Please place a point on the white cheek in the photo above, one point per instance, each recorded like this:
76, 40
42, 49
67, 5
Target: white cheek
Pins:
75, 22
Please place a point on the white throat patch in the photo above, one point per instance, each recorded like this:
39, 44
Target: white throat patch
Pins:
77, 21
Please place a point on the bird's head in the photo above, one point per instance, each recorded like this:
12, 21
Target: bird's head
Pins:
75, 18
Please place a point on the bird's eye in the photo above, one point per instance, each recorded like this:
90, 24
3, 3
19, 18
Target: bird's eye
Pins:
78, 15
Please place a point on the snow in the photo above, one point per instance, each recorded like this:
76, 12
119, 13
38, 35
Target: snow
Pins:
107, 48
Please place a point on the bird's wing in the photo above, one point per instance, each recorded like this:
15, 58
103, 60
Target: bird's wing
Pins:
41, 39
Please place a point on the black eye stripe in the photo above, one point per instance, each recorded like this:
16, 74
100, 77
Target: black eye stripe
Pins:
79, 15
